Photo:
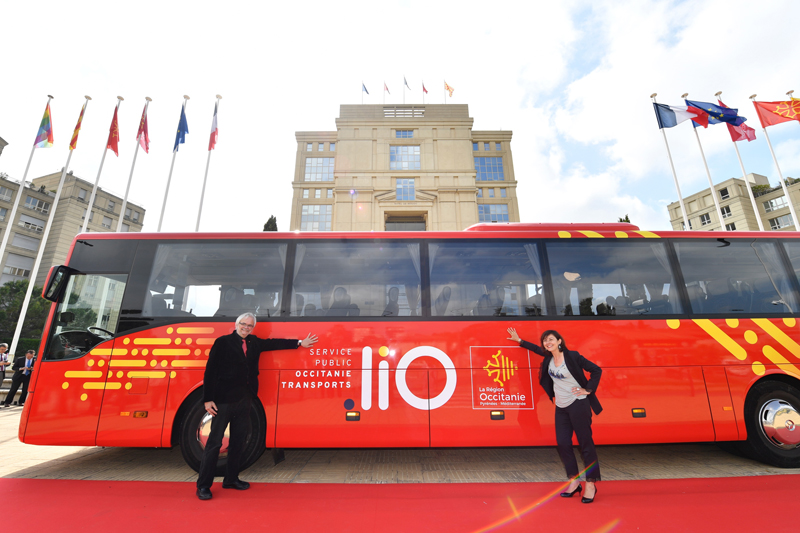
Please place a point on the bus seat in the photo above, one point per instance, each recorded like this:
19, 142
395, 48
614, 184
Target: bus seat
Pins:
720, 296
442, 301
231, 302
660, 304
483, 306
533, 307
158, 304
622, 306
248, 303
310, 310
341, 303
393, 307
353, 310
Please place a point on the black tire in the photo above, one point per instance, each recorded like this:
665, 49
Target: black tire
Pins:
192, 450
759, 445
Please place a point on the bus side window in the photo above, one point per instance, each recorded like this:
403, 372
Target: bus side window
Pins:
736, 276
611, 278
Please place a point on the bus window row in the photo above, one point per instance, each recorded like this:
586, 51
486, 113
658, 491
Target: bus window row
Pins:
568, 277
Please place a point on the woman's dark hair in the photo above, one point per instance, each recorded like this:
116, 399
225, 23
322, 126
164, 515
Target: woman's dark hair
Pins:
555, 334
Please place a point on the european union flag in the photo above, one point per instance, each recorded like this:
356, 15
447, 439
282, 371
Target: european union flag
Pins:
183, 129
717, 114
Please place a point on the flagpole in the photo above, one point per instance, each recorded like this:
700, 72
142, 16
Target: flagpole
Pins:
169, 178
674, 176
97, 180
19, 195
205, 177
780, 174
708, 174
130, 176
35, 271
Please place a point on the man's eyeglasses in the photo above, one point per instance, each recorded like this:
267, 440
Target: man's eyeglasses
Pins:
249, 326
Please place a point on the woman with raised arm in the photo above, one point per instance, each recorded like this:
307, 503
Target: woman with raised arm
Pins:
562, 375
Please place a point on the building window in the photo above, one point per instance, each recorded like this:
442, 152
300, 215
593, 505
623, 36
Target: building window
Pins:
486, 147
23, 241
775, 203
14, 271
705, 219
3, 212
319, 169
111, 205
726, 211
405, 189
126, 227
33, 224
321, 147
474, 147
318, 193
305, 193
333, 147
480, 193
82, 195
502, 193
731, 226
781, 222
683, 226
493, 213
489, 169
37, 205
498, 146
330, 193
106, 222
403, 157
491, 193
316, 218
5, 194
404, 134
308, 147
723, 193
136, 216
128, 212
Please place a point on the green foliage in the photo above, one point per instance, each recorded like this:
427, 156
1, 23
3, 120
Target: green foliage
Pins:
272, 224
760, 188
624, 219
11, 296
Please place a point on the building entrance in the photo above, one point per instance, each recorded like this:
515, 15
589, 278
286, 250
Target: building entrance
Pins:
413, 223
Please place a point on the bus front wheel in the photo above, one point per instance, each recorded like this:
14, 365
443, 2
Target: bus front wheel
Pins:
195, 428
772, 415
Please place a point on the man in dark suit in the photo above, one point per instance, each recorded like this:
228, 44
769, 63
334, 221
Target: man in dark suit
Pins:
23, 367
230, 385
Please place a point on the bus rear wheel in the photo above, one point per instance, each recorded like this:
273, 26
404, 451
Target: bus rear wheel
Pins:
194, 431
772, 415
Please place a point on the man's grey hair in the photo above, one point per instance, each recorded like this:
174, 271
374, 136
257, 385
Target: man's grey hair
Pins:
247, 315
4, 345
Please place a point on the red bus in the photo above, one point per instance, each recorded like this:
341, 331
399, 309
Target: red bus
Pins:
696, 333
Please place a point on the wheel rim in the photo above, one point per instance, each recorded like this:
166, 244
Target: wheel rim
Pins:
203, 431
780, 424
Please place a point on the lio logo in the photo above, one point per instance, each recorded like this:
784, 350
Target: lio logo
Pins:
501, 369
400, 378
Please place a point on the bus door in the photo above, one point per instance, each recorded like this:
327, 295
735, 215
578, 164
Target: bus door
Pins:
73, 373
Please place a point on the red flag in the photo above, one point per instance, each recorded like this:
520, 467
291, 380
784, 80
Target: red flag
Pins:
702, 117
74, 143
385, 88
142, 135
113, 135
424, 89
212, 141
771, 113
742, 132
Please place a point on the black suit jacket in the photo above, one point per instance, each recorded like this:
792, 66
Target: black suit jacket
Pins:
229, 374
19, 366
576, 364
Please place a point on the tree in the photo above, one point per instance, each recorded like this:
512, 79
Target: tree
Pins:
272, 224
625, 219
11, 296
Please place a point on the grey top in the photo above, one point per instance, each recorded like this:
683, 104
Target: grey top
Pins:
563, 383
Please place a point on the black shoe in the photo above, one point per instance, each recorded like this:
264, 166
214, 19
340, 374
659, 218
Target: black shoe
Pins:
204, 494
15, 403
589, 500
571, 494
238, 485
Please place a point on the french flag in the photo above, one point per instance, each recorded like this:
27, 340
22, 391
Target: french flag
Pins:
669, 116
212, 142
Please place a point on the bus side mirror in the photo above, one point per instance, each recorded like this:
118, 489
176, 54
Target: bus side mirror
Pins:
56, 282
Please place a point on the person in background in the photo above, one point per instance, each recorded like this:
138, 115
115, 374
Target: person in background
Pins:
562, 375
4, 362
23, 368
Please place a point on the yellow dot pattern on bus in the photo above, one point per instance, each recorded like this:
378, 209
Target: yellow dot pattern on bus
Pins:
163, 354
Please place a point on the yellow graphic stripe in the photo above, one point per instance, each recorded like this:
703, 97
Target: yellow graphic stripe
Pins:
778, 335
195, 331
722, 338
188, 364
119, 351
171, 351
206, 341
83, 374
648, 234
151, 341
621, 235
101, 351
591, 234
778, 359
564, 234
127, 362
109, 386
146, 374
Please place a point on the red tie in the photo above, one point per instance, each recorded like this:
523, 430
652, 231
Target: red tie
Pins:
244, 347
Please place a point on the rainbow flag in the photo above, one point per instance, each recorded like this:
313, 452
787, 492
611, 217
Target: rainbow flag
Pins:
74, 143
44, 139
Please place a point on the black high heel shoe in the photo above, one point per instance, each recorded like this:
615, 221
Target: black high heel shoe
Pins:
589, 500
571, 494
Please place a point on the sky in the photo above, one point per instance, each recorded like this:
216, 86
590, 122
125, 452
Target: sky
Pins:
571, 79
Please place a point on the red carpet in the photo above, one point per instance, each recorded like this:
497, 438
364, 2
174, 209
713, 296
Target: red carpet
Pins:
719, 504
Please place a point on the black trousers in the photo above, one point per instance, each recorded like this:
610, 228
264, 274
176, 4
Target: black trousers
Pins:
577, 418
236, 414
16, 381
